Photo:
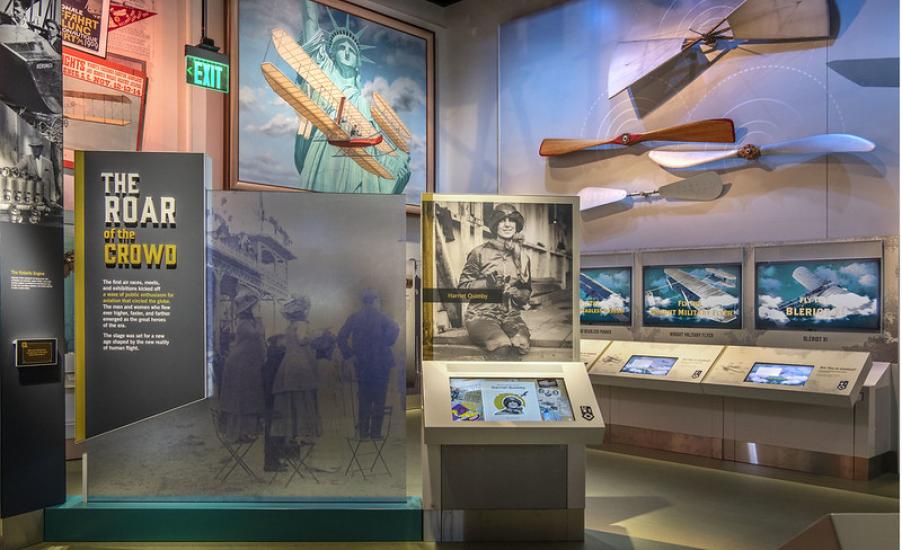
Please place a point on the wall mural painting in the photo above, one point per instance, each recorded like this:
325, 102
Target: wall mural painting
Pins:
331, 98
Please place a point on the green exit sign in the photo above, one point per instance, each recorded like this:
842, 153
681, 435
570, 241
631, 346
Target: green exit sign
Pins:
206, 69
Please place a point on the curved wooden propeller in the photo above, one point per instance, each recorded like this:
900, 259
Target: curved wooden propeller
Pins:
712, 130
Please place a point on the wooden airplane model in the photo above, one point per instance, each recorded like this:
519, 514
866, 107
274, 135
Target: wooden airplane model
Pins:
349, 130
714, 130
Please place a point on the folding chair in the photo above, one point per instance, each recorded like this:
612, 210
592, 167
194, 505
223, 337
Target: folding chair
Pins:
354, 443
299, 463
237, 451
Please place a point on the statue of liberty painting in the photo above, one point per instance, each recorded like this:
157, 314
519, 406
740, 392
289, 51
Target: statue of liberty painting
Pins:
344, 144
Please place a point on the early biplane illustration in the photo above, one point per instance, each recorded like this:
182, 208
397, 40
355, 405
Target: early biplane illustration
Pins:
820, 144
714, 130
99, 108
745, 20
596, 291
701, 294
706, 186
325, 107
725, 279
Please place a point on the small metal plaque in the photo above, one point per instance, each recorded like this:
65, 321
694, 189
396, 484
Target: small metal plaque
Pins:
36, 352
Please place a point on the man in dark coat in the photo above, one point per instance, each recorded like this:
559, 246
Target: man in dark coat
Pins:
367, 337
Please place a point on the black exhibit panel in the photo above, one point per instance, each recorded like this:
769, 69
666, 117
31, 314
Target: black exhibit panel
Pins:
140, 261
32, 416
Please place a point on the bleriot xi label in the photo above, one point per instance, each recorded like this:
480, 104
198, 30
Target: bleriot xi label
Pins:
140, 298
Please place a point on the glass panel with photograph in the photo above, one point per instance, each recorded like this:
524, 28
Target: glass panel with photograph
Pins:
779, 374
693, 296
605, 296
305, 312
498, 279
509, 400
818, 295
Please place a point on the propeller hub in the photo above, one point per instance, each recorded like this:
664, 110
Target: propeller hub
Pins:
625, 139
749, 152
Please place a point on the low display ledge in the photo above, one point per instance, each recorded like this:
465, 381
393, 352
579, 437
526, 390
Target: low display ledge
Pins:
271, 521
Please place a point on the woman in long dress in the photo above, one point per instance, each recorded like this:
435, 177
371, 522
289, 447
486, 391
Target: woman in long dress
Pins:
296, 415
241, 399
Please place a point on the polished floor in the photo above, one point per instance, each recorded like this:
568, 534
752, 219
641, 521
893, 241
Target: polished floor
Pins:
645, 503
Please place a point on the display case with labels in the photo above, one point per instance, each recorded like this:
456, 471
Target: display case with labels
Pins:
591, 350
649, 365
504, 450
815, 377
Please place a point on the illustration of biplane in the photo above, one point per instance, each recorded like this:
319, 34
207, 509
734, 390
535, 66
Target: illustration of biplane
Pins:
99, 108
599, 292
702, 295
746, 20
347, 129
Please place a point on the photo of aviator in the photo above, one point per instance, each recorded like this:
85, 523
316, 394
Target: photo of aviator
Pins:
499, 278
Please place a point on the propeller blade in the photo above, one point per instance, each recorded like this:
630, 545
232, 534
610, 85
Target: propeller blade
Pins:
590, 197
686, 159
715, 130
823, 143
706, 186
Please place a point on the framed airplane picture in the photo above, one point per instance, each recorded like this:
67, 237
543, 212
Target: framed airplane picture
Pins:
330, 97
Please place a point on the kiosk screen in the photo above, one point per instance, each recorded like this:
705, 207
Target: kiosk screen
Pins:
783, 375
647, 364
509, 400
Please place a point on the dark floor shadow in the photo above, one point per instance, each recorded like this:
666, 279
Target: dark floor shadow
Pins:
878, 72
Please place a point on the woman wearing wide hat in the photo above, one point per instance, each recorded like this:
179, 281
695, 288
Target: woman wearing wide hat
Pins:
241, 399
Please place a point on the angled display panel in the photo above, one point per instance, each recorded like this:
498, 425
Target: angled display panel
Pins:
499, 278
305, 313
654, 365
838, 295
692, 296
509, 400
605, 296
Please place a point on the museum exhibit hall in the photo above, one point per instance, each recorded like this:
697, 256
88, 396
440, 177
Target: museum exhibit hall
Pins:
432, 274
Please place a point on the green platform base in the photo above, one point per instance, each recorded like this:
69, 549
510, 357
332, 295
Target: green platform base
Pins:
233, 521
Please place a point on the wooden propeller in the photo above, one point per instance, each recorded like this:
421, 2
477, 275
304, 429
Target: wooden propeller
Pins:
713, 130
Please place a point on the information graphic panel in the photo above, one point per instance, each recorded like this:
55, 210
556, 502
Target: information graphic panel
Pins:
819, 377
818, 295
605, 296
653, 365
692, 296
140, 345
515, 400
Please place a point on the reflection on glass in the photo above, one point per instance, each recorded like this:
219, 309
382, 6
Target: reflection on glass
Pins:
783, 375
305, 298
509, 400
647, 364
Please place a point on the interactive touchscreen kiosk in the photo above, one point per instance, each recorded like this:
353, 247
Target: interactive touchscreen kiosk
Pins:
490, 431
831, 378
651, 365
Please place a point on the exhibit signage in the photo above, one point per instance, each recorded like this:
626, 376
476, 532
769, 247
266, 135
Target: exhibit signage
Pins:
139, 230
36, 352
206, 69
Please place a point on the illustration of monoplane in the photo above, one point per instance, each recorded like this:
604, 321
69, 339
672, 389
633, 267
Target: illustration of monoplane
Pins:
599, 292
348, 130
714, 130
815, 288
821, 144
745, 20
701, 294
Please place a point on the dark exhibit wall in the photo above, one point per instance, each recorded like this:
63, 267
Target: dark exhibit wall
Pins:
32, 471
140, 286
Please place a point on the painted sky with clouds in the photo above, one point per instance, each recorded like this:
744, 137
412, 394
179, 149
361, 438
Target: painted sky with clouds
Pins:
267, 125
